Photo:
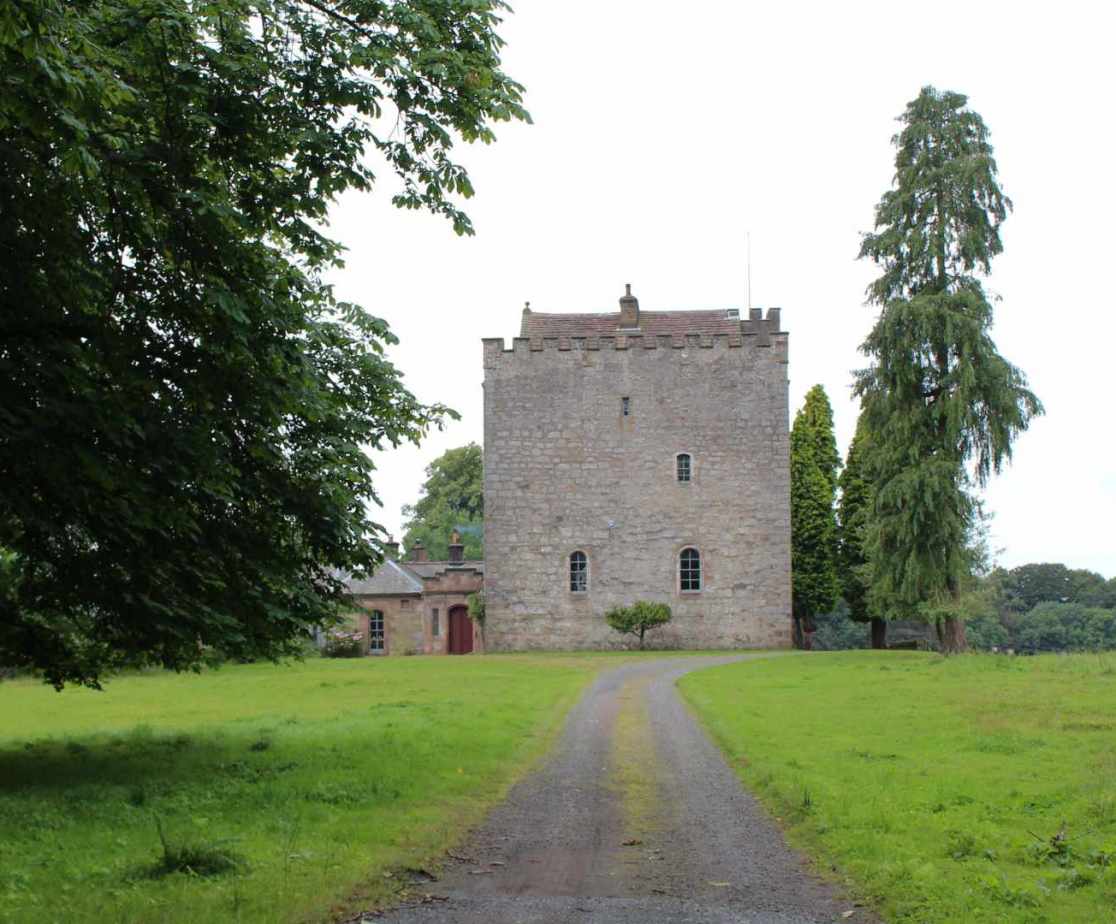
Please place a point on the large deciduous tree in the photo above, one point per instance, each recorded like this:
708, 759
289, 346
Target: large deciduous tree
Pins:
813, 468
186, 406
452, 498
941, 404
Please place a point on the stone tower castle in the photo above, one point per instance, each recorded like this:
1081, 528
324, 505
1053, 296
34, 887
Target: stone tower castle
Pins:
638, 456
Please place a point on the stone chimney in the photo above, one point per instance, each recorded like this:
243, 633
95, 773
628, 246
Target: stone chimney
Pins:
391, 549
418, 551
629, 308
456, 548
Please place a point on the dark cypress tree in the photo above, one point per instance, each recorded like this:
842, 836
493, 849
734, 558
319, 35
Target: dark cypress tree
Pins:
941, 405
814, 462
853, 510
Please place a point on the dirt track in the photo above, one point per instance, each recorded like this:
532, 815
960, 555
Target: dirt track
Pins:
634, 818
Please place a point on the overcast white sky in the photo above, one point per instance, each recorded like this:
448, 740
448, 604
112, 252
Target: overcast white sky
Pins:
664, 132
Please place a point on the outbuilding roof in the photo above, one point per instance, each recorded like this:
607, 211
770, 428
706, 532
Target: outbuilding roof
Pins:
401, 579
391, 579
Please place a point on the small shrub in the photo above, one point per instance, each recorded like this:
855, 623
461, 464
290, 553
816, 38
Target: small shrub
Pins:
638, 618
261, 745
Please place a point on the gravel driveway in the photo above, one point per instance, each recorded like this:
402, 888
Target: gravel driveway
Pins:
634, 818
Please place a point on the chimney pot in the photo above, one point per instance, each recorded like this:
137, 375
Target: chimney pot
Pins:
418, 552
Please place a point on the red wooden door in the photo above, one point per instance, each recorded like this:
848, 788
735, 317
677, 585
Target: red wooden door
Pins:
460, 631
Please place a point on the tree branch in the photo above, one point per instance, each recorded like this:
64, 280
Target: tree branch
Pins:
341, 17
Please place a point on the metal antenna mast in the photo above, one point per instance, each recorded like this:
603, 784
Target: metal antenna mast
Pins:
748, 239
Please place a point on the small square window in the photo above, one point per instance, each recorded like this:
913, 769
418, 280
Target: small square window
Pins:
404, 604
626, 406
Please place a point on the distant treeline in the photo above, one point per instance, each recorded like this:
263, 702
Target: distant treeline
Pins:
1029, 609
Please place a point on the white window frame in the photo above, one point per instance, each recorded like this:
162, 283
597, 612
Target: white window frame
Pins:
690, 467
570, 572
372, 614
700, 570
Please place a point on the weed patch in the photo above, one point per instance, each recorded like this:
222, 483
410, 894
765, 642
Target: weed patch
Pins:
193, 859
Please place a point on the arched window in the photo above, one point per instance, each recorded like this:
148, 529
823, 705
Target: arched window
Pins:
579, 573
684, 466
689, 570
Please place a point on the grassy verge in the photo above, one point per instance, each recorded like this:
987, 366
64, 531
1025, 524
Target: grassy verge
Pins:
977, 788
257, 792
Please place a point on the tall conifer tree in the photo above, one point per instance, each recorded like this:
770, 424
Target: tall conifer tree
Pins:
941, 405
814, 464
853, 510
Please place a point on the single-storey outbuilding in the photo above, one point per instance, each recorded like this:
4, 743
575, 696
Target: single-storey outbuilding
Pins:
418, 606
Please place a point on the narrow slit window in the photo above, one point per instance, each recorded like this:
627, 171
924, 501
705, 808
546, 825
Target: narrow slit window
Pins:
626, 406
435, 629
685, 467
689, 566
376, 632
579, 573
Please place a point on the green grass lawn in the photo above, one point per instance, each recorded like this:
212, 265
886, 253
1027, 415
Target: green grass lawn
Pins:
312, 779
976, 788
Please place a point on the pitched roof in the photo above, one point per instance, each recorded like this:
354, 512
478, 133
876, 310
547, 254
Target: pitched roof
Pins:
651, 323
400, 579
391, 579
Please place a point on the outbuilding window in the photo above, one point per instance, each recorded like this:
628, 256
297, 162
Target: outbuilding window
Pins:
626, 406
579, 573
684, 466
435, 629
376, 632
689, 570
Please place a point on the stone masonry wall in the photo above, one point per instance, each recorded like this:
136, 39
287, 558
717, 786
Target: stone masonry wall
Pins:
566, 471
403, 629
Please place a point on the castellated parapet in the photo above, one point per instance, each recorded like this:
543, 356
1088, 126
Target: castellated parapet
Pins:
583, 431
